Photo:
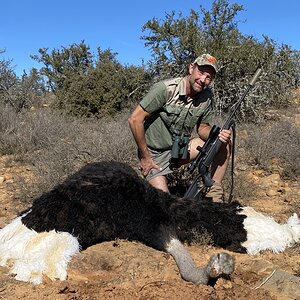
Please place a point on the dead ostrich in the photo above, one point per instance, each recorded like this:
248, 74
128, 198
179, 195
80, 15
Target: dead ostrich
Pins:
108, 200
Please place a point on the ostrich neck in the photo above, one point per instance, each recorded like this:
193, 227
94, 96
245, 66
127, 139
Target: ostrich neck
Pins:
185, 263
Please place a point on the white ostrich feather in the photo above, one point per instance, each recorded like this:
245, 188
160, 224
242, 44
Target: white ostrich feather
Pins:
264, 233
32, 255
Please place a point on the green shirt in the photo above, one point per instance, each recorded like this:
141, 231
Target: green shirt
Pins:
171, 110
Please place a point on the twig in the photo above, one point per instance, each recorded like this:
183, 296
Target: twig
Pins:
265, 280
155, 283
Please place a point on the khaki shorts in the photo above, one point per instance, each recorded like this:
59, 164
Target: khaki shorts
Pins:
161, 158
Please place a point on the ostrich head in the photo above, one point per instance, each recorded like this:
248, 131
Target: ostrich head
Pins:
220, 264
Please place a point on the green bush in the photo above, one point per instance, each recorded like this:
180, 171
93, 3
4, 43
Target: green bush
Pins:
95, 86
20, 93
87, 88
176, 41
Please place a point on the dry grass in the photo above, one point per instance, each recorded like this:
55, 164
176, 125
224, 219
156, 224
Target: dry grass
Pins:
56, 146
276, 143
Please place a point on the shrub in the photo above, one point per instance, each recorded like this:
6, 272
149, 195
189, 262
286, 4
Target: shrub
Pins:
278, 142
57, 145
88, 88
176, 41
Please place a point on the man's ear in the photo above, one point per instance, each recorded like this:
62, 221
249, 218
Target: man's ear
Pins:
191, 68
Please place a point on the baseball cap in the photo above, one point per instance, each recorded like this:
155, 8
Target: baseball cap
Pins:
206, 60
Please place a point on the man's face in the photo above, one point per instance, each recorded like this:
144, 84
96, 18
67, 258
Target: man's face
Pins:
200, 77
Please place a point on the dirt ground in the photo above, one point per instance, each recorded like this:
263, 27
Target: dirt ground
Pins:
129, 270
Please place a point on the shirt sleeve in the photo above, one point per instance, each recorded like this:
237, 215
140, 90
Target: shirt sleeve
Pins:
208, 114
155, 98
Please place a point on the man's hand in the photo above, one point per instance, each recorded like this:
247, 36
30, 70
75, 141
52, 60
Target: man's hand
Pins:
224, 136
146, 164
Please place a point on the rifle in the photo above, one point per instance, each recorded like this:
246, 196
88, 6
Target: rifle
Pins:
210, 148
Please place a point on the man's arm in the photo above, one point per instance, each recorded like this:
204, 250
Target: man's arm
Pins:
136, 123
204, 129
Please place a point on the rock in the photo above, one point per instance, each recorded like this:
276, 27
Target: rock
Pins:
8, 176
285, 284
271, 193
258, 172
222, 283
274, 178
241, 167
276, 280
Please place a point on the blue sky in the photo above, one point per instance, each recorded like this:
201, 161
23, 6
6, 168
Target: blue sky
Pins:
29, 25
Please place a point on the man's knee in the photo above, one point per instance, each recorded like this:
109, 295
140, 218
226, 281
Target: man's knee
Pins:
194, 143
160, 182
223, 153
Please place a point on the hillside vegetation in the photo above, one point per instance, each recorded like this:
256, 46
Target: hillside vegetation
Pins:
90, 85
74, 109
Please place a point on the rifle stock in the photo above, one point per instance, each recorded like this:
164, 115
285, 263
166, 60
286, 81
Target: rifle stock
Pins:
211, 147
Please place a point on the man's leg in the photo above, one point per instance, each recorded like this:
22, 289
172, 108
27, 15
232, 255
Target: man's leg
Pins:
157, 178
160, 182
219, 165
218, 169
220, 162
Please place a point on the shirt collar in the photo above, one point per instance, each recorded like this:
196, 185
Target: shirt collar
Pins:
182, 89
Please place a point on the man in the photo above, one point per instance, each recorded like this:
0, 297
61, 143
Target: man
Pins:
170, 109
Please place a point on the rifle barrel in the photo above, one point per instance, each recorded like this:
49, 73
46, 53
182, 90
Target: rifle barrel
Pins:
255, 76
227, 124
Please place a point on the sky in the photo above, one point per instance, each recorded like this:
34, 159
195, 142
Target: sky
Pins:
27, 26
